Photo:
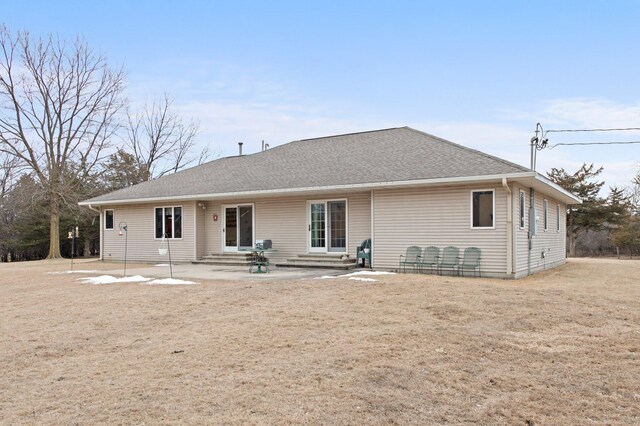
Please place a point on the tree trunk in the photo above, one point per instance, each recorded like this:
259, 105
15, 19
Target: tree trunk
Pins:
572, 244
87, 247
54, 230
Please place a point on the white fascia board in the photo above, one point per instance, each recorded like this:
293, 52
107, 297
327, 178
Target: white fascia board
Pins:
297, 191
544, 180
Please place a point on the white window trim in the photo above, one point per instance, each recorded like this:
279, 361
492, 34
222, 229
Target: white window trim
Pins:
113, 222
223, 226
558, 218
493, 191
545, 214
325, 201
174, 223
522, 210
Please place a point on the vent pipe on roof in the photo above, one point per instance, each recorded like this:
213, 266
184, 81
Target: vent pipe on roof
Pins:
240, 148
265, 146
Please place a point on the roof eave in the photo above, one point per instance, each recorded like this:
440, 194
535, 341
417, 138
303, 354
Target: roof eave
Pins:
301, 191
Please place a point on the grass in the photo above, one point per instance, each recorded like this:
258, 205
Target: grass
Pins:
561, 347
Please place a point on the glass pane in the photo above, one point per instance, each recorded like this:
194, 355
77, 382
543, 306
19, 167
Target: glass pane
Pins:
159, 222
338, 225
108, 219
246, 226
168, 222
230, 227
522, 213
318, 225
483, 208
177, 211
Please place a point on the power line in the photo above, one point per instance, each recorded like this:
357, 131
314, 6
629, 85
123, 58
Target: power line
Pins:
594, 143
623, 129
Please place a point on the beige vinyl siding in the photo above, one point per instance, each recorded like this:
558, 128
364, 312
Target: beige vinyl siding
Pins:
440, 217
552, 242
200, 217
284, 221
142, 245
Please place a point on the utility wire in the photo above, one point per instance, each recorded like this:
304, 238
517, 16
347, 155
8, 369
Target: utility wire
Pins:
594, 143
624, 129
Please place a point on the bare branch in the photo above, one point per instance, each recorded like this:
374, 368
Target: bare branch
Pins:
58, 104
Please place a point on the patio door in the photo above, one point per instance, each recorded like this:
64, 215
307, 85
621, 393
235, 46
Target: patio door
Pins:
237, 230
327, 226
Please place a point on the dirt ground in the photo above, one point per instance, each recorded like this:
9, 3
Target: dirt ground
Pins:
561, 347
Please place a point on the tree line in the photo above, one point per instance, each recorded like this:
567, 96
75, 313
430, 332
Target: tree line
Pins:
618, 213
67, 133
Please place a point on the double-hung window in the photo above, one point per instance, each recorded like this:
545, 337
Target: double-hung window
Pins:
108, 219
482, 209
168, 222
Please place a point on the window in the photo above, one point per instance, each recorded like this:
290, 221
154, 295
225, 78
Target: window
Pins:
168, 222
108, 219
558, 217
522, 211
546, 214
482, 209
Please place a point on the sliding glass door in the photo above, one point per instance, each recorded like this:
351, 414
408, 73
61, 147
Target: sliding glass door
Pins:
238, 228
328, 226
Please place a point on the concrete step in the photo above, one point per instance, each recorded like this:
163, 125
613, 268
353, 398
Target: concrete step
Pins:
222, 262
320, 259
323, 265
228, 259
329, 261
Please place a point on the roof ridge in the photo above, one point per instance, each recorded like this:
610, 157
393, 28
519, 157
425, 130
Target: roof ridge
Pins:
466, 148
346, 134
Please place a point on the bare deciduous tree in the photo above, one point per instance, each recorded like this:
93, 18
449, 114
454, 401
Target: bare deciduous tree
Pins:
160, 141
58, 102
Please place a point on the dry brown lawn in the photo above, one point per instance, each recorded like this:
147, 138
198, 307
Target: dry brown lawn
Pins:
561, 347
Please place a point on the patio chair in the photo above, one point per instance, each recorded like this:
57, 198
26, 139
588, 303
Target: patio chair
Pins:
429, 258
363, 251
411, 257
449, 259
470, 260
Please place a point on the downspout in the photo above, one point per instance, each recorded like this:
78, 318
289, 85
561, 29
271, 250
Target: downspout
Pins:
99, 211
373, 252
509, 226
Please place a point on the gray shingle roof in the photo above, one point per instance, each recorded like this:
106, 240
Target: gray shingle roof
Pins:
389, 155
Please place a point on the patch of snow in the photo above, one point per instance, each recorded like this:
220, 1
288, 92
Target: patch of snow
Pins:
361, 279
368, 273
79, 271
108, 279
162, 264
356, 274
169, 281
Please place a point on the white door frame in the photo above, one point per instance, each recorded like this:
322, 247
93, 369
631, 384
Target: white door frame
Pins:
235, 249
327, 227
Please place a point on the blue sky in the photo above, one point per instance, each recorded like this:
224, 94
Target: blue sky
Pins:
479, 73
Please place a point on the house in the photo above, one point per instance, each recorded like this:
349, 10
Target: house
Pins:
322, 197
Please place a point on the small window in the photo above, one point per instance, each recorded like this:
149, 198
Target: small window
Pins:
482, 209
558, 217
546, 214
522, 210
108, 219
168, 222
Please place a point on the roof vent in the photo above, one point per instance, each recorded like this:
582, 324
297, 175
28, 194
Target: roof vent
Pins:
240, 148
